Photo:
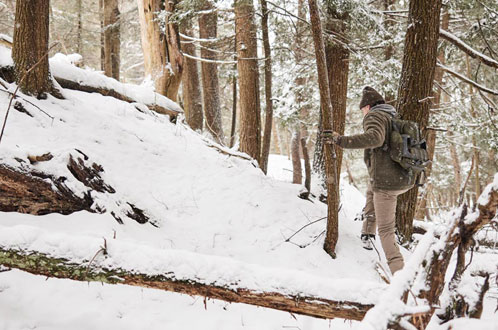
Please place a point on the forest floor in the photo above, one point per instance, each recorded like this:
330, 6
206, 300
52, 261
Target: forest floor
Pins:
211, 209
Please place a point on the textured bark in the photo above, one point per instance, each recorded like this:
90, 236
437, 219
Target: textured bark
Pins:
162, 57
208, 26
234, 110
79, 31
307, 165
297, 171
459, 236
430, 135
338, 70
101, 18
192, 97
41, 264
332, 234
265, 152
415, 89
247, 67
276, 138
30, 48
112, 39
38, 193
389, 24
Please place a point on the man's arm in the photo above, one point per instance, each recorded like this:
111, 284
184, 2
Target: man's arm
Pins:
374, 125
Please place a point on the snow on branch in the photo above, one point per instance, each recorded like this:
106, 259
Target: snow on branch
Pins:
467, 49
467, 80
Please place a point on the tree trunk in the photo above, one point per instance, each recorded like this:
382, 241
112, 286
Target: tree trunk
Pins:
162, 57
49, 266
102, 45
112, 39
297, 172
247, 66
338, 70
415, 89
191, 83
79, 31
326, 111
389, 25
208, 25
300, 97
430, 135
268, 85
30, 47
276, 138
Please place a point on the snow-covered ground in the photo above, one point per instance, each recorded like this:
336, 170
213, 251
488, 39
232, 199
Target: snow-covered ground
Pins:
208, 210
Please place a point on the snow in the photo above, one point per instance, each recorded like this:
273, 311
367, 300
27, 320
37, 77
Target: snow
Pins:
5, 56
62, 66
468, 49
217, 218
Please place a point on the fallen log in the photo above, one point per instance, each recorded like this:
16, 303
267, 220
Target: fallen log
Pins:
33, 192
42, 264
7, 74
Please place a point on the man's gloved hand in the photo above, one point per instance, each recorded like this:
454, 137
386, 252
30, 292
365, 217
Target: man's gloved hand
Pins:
330, 136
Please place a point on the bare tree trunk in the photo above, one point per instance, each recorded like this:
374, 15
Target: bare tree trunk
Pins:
162, 57
430, 136
338, 70
208, 24
415, 89
389, 50
111, 39
102, 46
297, 171
276, 138
299, 82
79, 31
191, 83
234, 98
268, 85
247, 65
30, 47
326, 111
474, 142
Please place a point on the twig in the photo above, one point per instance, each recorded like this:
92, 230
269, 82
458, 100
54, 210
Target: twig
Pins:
19, 84
27, 101
102, 249
306, 225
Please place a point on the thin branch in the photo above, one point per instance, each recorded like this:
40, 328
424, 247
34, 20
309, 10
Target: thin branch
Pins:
467, 49
467, 80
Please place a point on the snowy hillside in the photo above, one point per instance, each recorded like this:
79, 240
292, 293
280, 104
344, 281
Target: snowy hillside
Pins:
212, 215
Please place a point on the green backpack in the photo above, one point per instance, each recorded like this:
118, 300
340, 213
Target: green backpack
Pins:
408, 148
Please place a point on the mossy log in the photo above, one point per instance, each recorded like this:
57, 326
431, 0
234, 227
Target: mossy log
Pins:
41, 264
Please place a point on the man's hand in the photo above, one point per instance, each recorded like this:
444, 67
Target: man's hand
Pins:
330, 136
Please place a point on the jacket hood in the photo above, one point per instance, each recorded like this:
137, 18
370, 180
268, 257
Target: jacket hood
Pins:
385, 108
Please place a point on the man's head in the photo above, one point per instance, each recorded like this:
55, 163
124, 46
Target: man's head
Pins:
369, 99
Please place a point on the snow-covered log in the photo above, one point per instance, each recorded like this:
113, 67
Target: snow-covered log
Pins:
467, 49
100, 271
71, 77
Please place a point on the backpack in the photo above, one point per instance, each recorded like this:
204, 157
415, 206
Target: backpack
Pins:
408, 148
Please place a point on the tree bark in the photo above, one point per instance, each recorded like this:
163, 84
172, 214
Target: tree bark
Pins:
30, 48
191, 83
332, 234
41, 264
102, 44
338, 70
430, 136
208, 25
297, 172
247, 66
265, 153
112, 39
162, 57
79, 31
415, 89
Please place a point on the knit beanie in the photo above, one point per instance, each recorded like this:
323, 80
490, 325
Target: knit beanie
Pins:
370, 97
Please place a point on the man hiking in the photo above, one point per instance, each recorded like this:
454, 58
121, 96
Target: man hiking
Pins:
387, 178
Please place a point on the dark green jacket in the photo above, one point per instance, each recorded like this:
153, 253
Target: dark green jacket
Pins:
383, 171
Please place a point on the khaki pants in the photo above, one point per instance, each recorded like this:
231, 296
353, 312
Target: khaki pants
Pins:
380, 211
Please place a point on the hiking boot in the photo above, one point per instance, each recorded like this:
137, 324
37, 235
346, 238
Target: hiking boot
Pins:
366, 241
